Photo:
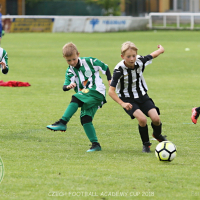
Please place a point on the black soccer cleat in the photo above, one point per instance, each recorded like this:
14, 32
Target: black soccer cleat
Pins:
160, 138
58, 126
146, 147
95, 147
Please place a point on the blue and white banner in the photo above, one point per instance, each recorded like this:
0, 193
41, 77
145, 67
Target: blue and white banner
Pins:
106, 24
99, 24
74, 23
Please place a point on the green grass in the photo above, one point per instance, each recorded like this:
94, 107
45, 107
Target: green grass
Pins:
39, 163
183, 26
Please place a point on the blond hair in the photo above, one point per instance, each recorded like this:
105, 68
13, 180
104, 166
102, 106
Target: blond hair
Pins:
69, 49
128, 45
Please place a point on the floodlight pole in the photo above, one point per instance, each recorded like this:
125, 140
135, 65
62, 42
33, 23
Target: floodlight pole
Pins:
175, 5
23, 7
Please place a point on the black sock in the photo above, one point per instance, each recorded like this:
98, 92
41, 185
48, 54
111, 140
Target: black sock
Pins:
157, 130
144, 134
63, 121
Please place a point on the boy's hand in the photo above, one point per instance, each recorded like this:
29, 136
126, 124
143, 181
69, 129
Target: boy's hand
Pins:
161, 48
127, 106
3, 65
158, 51
71, 85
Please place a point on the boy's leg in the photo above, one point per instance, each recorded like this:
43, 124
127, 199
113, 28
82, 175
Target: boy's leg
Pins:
143, 130
156, 125
157, 130
86, 121
90, 132
71, 109
195, 114
145, 138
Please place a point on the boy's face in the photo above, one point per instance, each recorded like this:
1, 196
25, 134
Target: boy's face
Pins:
72, 60
129, 57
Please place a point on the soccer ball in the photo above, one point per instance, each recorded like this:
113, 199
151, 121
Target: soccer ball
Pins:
165, 151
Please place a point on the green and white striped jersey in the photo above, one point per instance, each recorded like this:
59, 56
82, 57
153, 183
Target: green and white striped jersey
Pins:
87, 76
4, 58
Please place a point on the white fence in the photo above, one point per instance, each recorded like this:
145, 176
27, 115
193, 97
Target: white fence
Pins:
174, 21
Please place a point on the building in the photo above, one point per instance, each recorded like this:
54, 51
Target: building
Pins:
128, 7
13, 7
142, 7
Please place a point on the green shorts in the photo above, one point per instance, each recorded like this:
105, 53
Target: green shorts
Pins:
91, 101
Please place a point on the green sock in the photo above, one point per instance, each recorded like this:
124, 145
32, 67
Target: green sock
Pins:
90, 132
71, 109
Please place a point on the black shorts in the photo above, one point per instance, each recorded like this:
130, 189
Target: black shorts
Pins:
144, 104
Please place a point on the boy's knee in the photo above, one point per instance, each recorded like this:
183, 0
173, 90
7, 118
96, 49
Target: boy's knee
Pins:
142, 121
76, 100
156, 121
86, 119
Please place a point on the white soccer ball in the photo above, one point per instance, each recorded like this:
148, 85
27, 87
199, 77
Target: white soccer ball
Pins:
166, 151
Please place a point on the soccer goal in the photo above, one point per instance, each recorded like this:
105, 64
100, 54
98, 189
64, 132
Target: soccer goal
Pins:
174, 21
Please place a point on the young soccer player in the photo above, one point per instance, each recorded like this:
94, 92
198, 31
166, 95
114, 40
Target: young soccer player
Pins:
195, 114
83, 76
131, 89
1, 26
3, 61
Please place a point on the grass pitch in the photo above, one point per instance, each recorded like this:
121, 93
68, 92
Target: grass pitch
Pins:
40, 164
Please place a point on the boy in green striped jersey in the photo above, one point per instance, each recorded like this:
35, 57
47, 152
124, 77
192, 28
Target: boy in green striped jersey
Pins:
83, 76
3, 61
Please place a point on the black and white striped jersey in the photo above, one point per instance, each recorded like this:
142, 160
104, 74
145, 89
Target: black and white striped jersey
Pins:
130, 83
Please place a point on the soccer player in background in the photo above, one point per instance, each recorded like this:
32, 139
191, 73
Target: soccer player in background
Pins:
195, 114
83, 76
3, 61
131, 91
1, 26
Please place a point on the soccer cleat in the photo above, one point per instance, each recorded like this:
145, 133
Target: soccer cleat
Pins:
160, 138
95, 147
146, 147
57, 126
194, 116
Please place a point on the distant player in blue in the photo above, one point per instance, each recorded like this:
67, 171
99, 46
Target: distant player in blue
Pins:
1, 26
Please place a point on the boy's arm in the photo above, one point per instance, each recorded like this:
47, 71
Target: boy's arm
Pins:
108, 74
116, 75
4, 63
69, 80
114, 96
104, 69
68, 87
157, 52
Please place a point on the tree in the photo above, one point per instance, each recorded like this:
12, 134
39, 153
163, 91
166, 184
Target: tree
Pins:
110, 7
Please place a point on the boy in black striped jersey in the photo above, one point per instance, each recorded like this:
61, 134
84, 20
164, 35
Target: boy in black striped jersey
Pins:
83, 76
131, 89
